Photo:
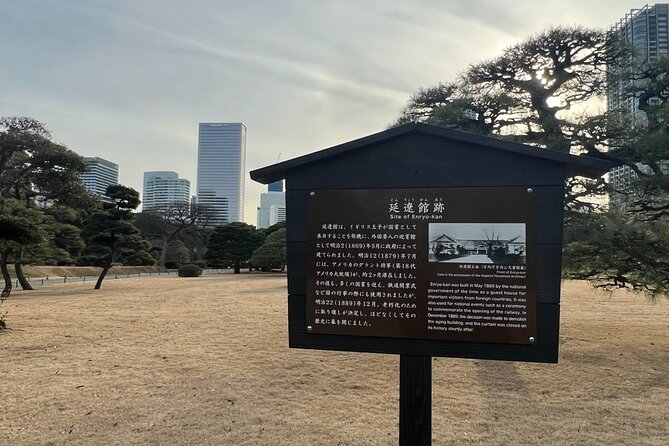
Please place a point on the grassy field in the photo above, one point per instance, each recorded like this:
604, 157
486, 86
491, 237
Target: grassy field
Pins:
204, 361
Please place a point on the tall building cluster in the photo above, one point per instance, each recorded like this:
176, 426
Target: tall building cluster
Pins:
221, 174
647, 30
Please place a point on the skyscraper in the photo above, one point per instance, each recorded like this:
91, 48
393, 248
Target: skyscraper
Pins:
100, 174
221, 163
647, 30
272, 207
277, 214
162, 188
276, 186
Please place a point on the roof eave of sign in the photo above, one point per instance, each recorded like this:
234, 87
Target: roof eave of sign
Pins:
575, 165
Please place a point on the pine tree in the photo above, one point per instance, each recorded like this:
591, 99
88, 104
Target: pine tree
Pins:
112, 237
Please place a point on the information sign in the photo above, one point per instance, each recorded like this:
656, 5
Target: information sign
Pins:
452, 264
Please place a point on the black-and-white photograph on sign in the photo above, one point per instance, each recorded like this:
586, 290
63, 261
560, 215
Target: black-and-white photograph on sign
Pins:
498, 243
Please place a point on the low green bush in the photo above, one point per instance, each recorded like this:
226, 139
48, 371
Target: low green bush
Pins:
190, 270
200, 263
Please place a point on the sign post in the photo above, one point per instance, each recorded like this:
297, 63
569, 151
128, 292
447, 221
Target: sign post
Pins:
415, 400
425, 242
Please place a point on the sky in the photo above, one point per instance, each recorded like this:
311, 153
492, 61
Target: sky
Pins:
477, 231
129, 80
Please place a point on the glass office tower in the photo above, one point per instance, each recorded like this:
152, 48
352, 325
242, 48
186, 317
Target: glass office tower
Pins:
647, 30
221, 164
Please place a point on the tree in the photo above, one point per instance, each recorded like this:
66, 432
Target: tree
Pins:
458, 105
646, 150
627, 245
54, 242
275, 227
525, 93
19, 228
67, 244
66, 230
32, 168
195, 238
272, 253
612, 249
112, 237
45, 234
528, 94
61, 244
167, 222
232, 244
177, 253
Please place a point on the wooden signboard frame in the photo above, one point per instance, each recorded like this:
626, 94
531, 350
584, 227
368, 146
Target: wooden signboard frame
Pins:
421, 157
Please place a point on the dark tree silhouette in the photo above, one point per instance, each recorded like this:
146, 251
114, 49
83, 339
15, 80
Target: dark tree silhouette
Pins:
528, 95
272, 253
112, 237
232, 244
167, 222
33, 167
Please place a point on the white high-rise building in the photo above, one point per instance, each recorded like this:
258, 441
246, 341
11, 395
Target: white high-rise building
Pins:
162, 188
272, 209
221, 167
100, 175
277, 214
647, 30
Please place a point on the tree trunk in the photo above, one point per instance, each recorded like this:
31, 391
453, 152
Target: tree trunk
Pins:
551, 125
238, 267
18, 262
5, 275
105, 269
166, 242
163, 252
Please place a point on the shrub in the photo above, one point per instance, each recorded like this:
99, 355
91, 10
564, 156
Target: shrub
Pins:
171, 264
190, 270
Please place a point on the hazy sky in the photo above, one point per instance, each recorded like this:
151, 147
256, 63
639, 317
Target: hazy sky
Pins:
477, 231
129, 80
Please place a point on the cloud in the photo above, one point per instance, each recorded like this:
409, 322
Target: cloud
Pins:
129, 80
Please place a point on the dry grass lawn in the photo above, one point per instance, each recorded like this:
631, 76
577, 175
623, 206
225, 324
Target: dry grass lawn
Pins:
175, 361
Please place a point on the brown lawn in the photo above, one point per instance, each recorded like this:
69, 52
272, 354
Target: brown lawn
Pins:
172, 361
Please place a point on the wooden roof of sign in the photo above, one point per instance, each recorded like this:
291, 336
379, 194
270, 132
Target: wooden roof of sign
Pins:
575, 165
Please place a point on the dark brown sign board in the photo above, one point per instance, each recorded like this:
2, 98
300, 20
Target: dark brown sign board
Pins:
423, 264
376, 265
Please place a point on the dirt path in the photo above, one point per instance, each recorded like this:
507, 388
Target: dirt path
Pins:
204, 361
